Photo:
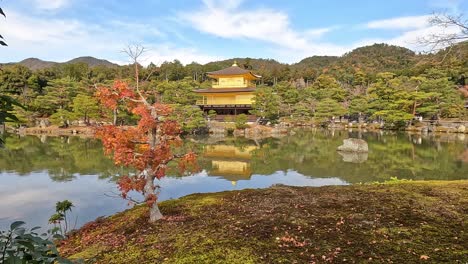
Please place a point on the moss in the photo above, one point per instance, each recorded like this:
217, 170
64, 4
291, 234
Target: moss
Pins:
130, 254
398, 222
216, 255
88, 253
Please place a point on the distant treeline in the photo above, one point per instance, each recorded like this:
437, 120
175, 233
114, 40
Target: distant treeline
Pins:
379, 82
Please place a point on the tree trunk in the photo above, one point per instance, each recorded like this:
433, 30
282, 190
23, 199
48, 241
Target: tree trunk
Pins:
155, 214
114, 121
149, 190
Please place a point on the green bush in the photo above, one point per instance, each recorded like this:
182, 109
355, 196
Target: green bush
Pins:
241, 121
212, 114
19, 245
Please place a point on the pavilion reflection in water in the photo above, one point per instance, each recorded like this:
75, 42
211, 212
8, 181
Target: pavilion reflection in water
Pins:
230, 162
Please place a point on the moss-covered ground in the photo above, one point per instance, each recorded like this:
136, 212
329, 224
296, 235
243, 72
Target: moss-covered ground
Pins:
407, 222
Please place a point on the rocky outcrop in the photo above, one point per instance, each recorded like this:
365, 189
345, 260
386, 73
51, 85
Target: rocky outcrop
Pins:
354, 145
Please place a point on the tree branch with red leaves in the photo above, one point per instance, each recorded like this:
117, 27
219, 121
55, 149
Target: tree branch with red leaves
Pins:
148, 147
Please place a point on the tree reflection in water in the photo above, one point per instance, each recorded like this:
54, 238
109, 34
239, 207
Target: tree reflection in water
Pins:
308, 152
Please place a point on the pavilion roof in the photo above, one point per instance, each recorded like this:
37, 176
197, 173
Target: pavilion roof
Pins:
225, 90
233, 70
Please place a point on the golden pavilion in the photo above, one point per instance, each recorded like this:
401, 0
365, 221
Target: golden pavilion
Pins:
231, 93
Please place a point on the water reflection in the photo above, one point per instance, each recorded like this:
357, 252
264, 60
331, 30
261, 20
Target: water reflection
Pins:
35, 172
230, 162
354, 157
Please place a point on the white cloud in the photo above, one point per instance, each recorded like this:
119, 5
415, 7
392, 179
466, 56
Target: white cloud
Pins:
166, 52
231, 21
227, 20
51, 4
64, 39
57, 39
411, 39
407, 22
319, 32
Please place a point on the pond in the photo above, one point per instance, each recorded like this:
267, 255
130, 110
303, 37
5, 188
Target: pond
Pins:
36, 172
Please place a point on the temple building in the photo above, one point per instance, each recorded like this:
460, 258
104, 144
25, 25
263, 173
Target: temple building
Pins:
231, 93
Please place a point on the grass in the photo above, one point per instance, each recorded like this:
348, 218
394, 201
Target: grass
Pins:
402, 222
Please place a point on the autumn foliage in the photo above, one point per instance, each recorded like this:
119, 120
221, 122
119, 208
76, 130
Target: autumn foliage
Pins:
110, 96
148, 147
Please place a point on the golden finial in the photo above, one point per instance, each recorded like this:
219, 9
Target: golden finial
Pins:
235, 63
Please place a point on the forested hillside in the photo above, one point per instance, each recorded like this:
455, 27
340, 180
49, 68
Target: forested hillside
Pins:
378, 82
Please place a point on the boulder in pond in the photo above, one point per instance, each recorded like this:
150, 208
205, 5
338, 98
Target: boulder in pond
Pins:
354, 157
354, 145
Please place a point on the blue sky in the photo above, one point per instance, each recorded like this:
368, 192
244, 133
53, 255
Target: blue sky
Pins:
206, 30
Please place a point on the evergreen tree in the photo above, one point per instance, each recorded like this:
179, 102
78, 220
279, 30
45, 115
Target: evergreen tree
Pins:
85, 107
58, 95
266, 103
327, 87
328, 109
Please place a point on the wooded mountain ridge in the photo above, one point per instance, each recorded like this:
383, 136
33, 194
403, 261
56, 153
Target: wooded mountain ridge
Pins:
38, 64
373, 58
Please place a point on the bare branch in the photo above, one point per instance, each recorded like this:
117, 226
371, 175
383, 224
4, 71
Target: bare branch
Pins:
134, 52
120, 196
459, 31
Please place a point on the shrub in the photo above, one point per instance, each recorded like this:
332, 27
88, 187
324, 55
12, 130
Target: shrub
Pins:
241, 121
212, 114
19, 245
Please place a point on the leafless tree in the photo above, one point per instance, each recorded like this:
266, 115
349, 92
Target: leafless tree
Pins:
134, 52
2, 42
456, 27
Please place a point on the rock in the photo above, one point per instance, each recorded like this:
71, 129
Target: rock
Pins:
258, 131
354, 145
44, 123
354, 157
217, 130
461, 129
239, 132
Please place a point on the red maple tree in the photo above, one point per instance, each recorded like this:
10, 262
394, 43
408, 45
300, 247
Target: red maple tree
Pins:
148, 147
112, 97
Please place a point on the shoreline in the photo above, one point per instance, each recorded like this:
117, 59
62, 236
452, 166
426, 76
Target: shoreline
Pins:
402, 222
220, 129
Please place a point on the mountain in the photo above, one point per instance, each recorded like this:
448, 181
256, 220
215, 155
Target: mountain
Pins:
38, 64
249, 63
378, 58
370, 59
317, 61
92, 62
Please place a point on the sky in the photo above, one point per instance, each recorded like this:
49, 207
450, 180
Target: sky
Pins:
208, 30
